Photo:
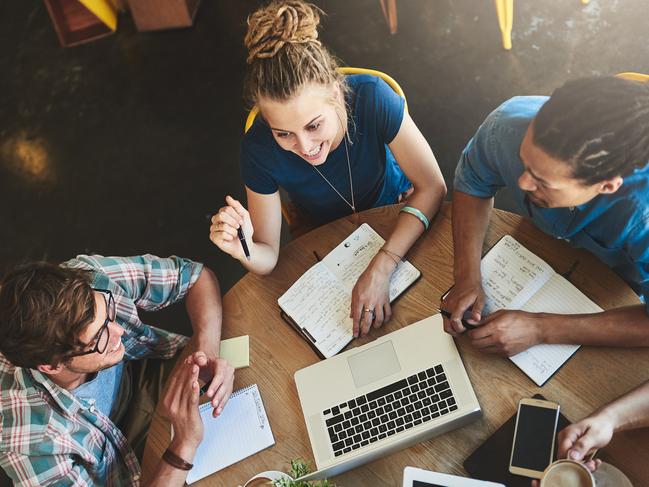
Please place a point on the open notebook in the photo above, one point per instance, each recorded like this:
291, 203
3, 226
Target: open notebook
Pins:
241, 430
318, 303
515, 278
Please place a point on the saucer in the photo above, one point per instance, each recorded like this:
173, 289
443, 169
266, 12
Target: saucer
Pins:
609, 476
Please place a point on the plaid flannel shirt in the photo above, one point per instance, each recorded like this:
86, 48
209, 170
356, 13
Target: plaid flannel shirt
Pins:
48, 436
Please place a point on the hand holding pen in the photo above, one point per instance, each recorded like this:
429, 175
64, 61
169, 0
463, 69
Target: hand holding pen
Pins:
229, 229
462, 307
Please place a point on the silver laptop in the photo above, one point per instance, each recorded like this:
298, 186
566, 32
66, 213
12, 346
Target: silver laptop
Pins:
398, 390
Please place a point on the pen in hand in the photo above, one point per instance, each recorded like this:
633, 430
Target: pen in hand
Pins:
244, 244
242, 237
465, 324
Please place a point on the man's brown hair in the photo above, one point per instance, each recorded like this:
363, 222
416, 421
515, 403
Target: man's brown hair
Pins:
43, 308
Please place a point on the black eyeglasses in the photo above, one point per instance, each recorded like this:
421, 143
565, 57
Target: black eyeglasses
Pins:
102, 337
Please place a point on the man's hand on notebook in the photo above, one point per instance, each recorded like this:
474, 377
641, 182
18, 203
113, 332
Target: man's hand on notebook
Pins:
370, 296
507, 332
464, 302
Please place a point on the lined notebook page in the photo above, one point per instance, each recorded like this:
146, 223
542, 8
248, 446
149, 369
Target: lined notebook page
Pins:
319, 302
320, 299
557, 296
511, 275
240, 431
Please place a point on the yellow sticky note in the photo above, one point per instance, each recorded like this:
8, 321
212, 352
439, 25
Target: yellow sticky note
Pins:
236, 351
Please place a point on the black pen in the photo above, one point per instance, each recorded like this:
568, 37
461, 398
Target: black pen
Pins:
242, 239
466, 325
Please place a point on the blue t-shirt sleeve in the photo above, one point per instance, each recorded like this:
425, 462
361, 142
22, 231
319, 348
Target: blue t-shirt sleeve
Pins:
389, 109
478, 172
254, 172
638, 248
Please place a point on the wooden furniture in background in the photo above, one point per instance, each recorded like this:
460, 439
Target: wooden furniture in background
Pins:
78, 21
592, 377
389, 8
505, 14
163, 14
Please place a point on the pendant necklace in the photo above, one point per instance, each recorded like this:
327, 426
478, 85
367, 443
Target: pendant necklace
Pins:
352, 205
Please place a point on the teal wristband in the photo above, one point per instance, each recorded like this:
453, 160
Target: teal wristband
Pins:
417, 213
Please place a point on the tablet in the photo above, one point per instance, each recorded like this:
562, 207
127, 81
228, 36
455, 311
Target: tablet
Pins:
416, 477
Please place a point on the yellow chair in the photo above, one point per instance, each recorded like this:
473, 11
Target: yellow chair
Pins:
346, 71
643, 78
505, 13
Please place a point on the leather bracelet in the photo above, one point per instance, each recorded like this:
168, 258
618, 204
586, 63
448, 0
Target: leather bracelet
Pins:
417, 214
175, 461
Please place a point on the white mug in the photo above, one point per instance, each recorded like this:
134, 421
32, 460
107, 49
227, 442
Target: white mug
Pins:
567, 473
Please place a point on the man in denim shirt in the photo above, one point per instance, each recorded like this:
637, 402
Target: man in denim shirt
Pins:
577, 166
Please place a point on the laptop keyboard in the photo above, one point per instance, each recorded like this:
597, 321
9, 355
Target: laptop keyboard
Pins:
389, 410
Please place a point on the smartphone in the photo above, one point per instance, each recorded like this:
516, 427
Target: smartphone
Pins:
533, 446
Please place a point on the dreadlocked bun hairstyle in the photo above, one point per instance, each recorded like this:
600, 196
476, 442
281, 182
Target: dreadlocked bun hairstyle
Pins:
284, 52
598, 125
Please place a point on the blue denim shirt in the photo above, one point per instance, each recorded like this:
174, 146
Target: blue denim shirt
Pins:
614, 227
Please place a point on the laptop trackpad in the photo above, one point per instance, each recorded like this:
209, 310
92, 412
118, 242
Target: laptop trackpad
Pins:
374, 364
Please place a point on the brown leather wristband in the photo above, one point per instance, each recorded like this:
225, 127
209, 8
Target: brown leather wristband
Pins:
175, 461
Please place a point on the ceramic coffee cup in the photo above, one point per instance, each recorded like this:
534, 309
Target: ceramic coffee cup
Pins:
567, 473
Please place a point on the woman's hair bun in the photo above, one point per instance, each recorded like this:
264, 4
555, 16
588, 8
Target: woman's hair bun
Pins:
279, 23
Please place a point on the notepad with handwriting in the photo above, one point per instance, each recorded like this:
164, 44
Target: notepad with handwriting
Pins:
515, 278
241, 430
319, 302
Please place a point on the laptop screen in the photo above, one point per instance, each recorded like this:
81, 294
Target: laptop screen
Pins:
419, 483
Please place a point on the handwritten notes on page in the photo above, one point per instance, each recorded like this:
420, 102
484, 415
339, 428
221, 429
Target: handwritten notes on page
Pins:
241, 430
319, 302
511, 275
515, 278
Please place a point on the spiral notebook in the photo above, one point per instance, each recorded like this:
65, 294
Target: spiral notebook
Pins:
240, 431
318, 304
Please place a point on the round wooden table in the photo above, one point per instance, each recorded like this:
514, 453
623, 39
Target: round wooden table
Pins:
592, 377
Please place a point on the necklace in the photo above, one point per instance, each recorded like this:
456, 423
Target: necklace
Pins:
352, 205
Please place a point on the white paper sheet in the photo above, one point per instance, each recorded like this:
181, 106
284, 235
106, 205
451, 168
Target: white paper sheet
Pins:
240, 431
515, 278
557, 296
320, 300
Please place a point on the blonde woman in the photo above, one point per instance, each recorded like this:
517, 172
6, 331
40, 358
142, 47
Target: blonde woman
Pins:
336, 144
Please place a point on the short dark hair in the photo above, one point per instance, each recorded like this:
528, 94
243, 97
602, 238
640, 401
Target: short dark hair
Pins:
598, 125
43, 308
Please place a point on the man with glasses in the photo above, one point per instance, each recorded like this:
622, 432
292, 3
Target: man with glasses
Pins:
81, 374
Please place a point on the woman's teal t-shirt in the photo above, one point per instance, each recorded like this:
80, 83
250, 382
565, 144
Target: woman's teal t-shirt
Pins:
377, 113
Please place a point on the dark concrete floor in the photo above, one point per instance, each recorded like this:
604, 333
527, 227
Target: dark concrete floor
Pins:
121, 146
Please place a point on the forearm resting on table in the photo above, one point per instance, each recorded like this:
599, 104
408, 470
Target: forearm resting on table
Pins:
470, 222
408, 228
629, 411
620, 327
204, 308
